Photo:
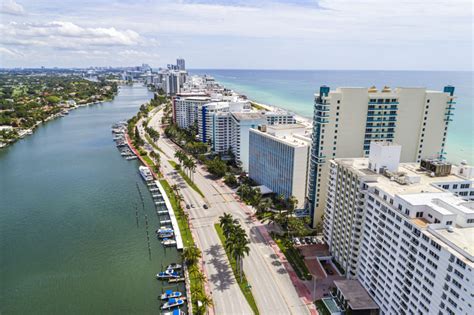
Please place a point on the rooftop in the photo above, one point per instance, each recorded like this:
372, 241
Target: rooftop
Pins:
355, 295
461, 238
416, 180
248, 116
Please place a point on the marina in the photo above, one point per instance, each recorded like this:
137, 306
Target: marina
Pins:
88, 223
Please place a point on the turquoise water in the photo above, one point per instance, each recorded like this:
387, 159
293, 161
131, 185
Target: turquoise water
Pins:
69, 243
294, 90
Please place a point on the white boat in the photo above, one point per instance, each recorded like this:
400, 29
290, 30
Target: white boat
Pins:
146, 173
131, 157
167, 274
174, 312
174, 266
170, 294
172, 303
165, 235
168, 242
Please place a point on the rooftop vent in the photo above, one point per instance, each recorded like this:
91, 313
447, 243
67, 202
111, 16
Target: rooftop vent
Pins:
436, 167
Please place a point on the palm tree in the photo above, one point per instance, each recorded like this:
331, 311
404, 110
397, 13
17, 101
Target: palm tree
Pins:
191, 255
244, 191
264, 205
205, 300
256, 197
175, 188
192, 168
291, 203
227, 223
238, 246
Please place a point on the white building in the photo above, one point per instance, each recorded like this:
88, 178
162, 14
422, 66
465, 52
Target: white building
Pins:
185, 108
346, 121
279, 158
409, 242
241, 123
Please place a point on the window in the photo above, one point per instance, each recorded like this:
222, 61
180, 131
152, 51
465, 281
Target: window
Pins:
449, 222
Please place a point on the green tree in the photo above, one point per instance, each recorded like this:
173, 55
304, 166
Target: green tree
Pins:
191, 255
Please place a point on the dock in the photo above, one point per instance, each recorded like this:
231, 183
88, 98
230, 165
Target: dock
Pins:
160, 203
176, 280
174, 222
162, 212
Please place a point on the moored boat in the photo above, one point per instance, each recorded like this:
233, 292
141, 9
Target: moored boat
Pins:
169, 294
172, 303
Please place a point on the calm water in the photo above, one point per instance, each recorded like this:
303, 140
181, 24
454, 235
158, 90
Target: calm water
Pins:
294, 91
69, 243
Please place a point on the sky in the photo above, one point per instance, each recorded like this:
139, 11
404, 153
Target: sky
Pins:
234, 34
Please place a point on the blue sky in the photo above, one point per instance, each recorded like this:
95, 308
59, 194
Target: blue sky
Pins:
268, 34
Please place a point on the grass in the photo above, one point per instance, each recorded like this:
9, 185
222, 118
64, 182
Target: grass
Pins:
150, 141
188, 240
321, 307
294, 257
186, 178
244, 286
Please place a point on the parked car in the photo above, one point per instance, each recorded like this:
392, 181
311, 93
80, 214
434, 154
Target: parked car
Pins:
192, 205
187, 207
307, 240
296, 241
205, 206
302, 240
315, 240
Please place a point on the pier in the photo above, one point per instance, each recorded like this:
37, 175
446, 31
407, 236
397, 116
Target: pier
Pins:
173, 221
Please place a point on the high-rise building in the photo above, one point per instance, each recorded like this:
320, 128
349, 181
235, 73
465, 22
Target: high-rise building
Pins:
226, 126
180, 63
407, 240
346, 121
185, 109
241, 124
279, 158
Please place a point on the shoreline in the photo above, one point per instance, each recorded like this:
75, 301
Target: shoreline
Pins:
272, 108
22, 133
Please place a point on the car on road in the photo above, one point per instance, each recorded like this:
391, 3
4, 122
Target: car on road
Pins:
192, 205
187, 207
205, 206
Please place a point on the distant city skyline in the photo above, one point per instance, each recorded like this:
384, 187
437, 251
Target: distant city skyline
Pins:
269, 34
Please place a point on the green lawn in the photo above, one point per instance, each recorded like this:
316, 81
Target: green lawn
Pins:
293, 257
186, 178
244, 284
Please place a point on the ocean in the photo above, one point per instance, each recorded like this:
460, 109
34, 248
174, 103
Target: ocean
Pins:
294, 90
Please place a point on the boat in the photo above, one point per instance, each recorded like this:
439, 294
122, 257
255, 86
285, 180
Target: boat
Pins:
168, 242
167, 274
145, 173
165, 235
164, 229
170, 294
172, 303
173, 312
131, 157
174, 266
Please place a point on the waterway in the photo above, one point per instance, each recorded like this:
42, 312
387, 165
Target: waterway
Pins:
69, 242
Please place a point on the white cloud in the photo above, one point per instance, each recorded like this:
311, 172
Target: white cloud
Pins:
64, 35
11, 7
9, 52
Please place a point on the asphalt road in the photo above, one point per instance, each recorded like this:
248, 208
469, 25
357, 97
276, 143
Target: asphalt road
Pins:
271, 286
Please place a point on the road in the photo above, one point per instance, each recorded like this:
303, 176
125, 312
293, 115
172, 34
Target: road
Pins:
271, 286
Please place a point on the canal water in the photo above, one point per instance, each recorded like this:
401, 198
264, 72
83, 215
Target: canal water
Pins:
69, 242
